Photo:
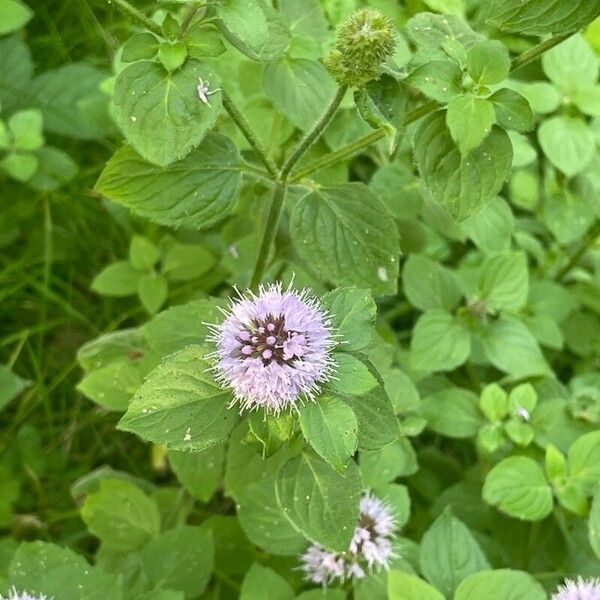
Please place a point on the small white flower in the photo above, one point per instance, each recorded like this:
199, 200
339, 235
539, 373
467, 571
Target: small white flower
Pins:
578, 590
14, 595
370, 548
204, 91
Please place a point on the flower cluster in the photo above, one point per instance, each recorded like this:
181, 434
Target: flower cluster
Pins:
365, 41
578, 590
370, 549
273, 348
14, 595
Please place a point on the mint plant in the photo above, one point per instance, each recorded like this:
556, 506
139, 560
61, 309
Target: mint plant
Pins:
349, 341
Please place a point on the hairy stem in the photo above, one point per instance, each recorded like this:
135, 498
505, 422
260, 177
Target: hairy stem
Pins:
138, 15
530, 55
339, 155
584, 246
249, 134
269, 233
312, 135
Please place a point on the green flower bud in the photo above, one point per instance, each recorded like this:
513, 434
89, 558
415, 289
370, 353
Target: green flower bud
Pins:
365, 40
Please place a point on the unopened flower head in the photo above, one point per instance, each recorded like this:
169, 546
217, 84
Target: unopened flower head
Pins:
274, 348
14, 595
581, 589
365, 40
370, 549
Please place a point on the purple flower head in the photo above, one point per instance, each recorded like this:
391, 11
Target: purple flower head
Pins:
578, 590
370, 548
274, 348
14, 595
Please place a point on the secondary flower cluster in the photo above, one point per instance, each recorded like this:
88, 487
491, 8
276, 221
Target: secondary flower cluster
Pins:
14, 595
273, 348
578, 590
370, 549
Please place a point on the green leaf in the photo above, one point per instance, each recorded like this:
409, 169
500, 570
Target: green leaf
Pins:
453, 412
504, 281
271, 432
382, 466
255, 28
42, 568
539, 17
449, 553
517, 487
299, 88
13, 15
461, 184
181, 405
488, 62
439, 342
583, 459
403, 586
510, 347
431, 31
568, 143
512, 110
396, 496
19, 166
160, 113
55, 169
172, 55
199, 472
143, 254
348, 232
11, 385
265, 522
572, 65
587, 100
555, 463
437, 79
16, 69
262, 583
180, 559
352, 377
140, 46
197, 191
594, 524
203, 40
184, 262
470, 121
152, 290
493, 402
117, 279
26, 128
520, 433
121, 515
331, 428
429, 285
492, 227
500, 585
306, 19
353, 314
377, 424
319, 501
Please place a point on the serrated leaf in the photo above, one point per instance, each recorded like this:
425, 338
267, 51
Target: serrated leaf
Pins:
437, 79
196, 192
331, 428
504, 281
383, 466
470, 121
583, 459
539, 17
449, 553
319, 501
453, 412
488, 62
512, 110
180, 405
348, 232
121, 515
352, 377
517, 487
461, 184
160, 113
439, 342
500, 585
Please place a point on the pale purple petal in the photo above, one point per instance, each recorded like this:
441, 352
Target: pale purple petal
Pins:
14, 595
578, 590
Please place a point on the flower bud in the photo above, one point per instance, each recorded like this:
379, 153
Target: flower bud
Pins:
365, 40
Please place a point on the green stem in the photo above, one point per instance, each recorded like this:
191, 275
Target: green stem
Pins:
530, 55
138, 16
585, 245
339, 155
312, 136
269, 233
249, 134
